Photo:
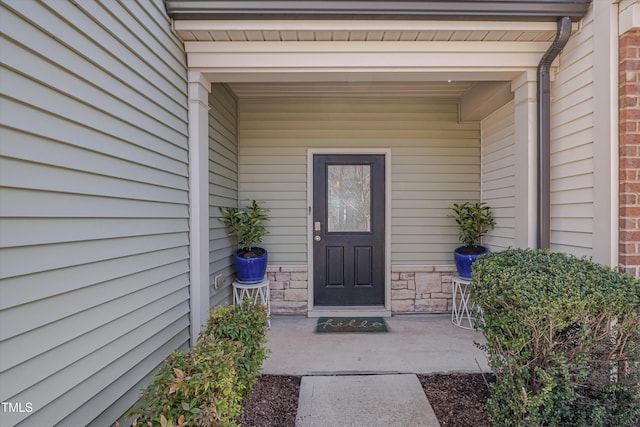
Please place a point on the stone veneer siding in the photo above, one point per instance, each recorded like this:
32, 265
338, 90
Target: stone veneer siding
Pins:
289, 289
629, 98
414, 289
421, 289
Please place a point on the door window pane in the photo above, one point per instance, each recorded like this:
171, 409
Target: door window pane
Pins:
349, 198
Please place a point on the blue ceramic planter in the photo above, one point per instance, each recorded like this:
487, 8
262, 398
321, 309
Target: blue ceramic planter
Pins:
251, 270
464, 262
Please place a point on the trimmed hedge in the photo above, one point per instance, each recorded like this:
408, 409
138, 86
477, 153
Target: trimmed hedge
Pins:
563, 339
206, 386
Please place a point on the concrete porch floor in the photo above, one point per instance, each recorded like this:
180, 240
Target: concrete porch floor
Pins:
417, 344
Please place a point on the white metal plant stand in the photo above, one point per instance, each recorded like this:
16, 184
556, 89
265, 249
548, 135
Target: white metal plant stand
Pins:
463, 310
258, 291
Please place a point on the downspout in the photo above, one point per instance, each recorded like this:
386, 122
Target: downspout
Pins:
544, 132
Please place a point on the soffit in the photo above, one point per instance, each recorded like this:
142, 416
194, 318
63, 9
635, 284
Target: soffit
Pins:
363, 31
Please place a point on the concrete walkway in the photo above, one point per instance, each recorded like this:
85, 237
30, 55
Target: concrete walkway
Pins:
364, 400
418, 344
368, 379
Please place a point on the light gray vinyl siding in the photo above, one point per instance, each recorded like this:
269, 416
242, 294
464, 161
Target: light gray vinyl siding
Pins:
94, 256
498, 175
435, 162
572, 160
223, 186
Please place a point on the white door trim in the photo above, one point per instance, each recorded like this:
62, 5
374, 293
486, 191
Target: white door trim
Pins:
348, 311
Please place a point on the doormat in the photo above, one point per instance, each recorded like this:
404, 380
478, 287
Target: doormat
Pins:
351, 324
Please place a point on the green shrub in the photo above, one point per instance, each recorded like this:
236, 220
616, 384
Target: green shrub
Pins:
245, 324
206, 386
563, 338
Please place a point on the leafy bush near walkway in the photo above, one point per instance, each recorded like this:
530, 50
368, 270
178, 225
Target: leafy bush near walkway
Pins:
563, 339
206, 386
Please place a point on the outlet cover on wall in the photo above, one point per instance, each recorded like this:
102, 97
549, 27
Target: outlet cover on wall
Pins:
218, 281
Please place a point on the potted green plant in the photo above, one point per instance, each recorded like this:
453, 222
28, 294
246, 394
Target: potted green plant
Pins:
474, 220
247, 226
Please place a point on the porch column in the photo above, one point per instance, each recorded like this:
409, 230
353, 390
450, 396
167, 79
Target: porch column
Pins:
605, 132
199, 88
525, 135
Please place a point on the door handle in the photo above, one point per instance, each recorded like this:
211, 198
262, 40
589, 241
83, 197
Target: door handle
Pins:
317, 238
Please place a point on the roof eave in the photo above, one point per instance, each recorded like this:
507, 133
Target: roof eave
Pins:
500, 10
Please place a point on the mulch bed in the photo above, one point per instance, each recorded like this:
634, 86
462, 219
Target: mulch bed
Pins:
273, 402
457, 399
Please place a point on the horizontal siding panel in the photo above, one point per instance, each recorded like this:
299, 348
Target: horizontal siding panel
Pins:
59, 365
130, 39
30, 203
572, 239
128, 19
583, 151
578, 225
568, 197
83, 392
401, 163
572, 182
35, 94
38, 341
32, 121
335, 138
42, 151
402, 126
451, 195
410, 201
110, 403
109, 94
223, 197
19, 174
94, 187
570, 129
337, 106
576, 210
301, 170
59, 230
32, 259
411, 215
372, 140
498, 175
119, 77
426, 237
577, 167
451, 161
499, 194
220, 184
435, 161
223, 186
50, 283
572, 146
573, 250
45, 311
439, 178
346, 116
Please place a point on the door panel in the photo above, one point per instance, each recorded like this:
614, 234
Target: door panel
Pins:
348, 248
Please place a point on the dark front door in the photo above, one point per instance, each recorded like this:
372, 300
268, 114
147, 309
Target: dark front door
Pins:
348, 230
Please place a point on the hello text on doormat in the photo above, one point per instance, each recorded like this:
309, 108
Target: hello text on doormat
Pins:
351, 324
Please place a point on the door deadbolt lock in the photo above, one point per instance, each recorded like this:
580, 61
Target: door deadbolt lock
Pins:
317, 238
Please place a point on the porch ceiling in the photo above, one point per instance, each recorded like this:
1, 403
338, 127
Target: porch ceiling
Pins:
365, 59
415, 89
